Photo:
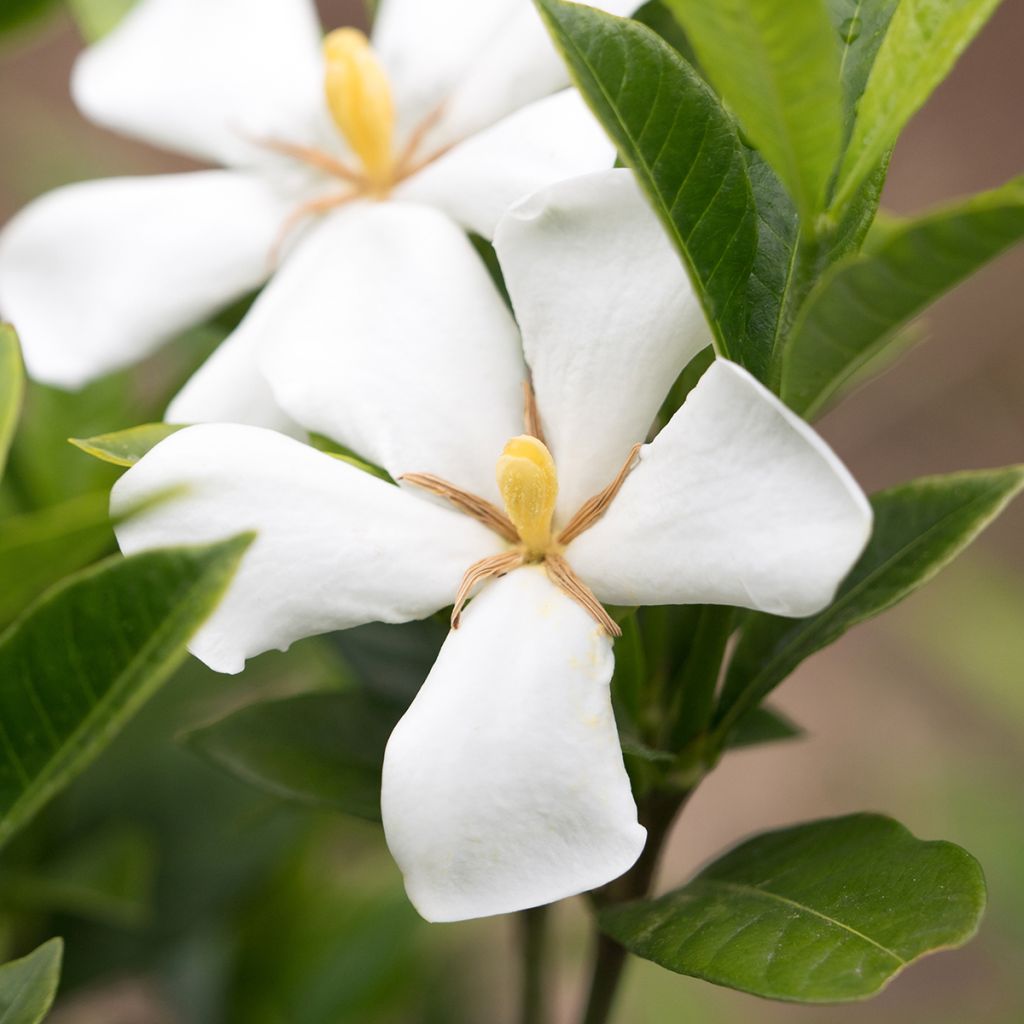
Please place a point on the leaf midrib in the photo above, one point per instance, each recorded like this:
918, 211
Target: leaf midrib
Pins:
753, 890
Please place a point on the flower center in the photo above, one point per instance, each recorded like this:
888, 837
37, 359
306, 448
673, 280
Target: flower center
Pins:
528, 484
360, 101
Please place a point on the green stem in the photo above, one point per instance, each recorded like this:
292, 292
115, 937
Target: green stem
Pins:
533, 933
657, 814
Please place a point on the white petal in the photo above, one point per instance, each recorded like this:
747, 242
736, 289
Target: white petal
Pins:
336, 547
427, 47
229, 388
503, 785
549, 140
519, 65
97, 275
200, 76
737, 501
385, 332
608, 319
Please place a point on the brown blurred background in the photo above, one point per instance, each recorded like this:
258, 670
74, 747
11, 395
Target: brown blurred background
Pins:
920, 714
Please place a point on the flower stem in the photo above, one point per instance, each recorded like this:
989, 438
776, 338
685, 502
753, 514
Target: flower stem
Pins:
657, 813
533, 936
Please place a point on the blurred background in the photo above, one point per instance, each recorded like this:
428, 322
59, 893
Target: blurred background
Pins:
188, 898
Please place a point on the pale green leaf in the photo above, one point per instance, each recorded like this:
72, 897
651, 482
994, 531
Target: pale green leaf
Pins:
125, 447
776, 65
923, 41
28, 985
12, 389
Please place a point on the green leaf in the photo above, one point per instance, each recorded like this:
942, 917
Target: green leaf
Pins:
28, 986
96, 18
860, 305
829, 911
324, 749
923, 41
82, 660
125, 447
919, 527
672, 130
861, 26
107, 877
776, 64
13, 14
39, 548
12, 389
762, 725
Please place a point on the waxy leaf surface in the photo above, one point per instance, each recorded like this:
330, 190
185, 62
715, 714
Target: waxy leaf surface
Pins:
823, 912
82, 660
672, 130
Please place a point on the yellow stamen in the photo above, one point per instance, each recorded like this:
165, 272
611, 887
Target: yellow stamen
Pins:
360, 101
529, 486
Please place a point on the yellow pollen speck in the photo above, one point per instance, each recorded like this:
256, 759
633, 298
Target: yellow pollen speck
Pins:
529, 486
360, 101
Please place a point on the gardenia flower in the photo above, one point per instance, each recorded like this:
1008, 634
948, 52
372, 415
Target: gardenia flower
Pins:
451, 107
504, 785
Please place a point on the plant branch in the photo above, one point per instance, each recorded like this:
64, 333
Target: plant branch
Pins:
533, 937
657, 814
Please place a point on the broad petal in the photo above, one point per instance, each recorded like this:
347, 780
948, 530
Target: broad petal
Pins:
335, 546
504, 786
385, 332
554, 138
204, 77
737, 501
229, 388
518, 66
99, 274
428, 47
608, 320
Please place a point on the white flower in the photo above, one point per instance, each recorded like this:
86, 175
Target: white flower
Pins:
452, 109
504, 785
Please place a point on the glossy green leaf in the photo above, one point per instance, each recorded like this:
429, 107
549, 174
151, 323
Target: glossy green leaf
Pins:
39, 548
919, 527
776, 64
860, 305
824, 912
106, 877
762, 725
82, 660
672, 130
12, 389
923, 41
324, 749
860, 26
125, 447
28, 985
